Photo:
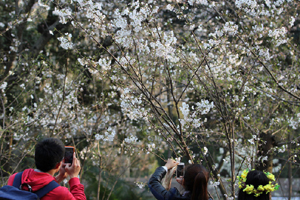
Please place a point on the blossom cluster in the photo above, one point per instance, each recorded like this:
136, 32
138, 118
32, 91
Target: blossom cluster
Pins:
193, 118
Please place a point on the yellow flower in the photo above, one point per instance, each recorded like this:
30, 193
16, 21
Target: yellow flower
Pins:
257, 194
260, 188
249, 189
271, 176
244, 174
268, 188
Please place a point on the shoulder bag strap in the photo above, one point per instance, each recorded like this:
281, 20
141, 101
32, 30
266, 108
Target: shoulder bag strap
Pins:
47, 188
17, 180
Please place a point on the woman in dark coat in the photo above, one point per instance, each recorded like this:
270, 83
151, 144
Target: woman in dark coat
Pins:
195, 182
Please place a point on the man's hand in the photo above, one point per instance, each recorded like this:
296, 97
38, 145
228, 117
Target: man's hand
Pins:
62, 174
74, 169
171, 163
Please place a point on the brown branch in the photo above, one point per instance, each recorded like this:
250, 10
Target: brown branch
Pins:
63, 100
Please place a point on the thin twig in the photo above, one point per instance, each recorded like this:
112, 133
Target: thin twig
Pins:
63, 100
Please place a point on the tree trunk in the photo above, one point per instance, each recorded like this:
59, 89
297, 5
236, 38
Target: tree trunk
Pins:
290, 167
267, 142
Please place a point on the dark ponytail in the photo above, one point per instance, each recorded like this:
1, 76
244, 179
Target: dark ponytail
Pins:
196, 179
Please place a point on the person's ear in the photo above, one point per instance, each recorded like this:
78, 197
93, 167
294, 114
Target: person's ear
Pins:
57, 166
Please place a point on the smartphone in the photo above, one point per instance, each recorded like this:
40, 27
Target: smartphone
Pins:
180, 170
69, 151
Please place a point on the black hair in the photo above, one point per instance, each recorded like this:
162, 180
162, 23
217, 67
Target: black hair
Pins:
196, 180
255, 178
48, 153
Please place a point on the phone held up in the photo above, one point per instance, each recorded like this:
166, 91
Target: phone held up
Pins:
180, 170
69, 151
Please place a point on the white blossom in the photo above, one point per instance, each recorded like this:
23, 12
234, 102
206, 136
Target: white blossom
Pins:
205, 150
82, 61
98, 137
105, 63
63, 14
170, 7
43, 5
204, 106
65, 43
292, 21
249, 3
265, 53
230, 28
140, 185
214, 184
131, 139
3, 86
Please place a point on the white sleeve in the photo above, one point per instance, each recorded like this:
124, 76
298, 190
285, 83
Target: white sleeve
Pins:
165, 168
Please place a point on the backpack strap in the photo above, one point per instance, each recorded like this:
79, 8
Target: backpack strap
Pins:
41, 192
47, 188
17, 180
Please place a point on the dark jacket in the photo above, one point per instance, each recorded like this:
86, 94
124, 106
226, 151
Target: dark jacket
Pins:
160, 193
